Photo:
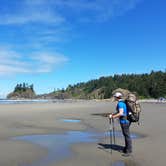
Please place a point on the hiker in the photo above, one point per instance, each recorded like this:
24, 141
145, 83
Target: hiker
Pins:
124, 123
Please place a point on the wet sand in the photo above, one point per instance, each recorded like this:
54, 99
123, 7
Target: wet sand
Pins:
45, 118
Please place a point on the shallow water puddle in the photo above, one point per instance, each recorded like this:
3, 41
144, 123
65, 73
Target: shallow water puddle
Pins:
71, 120
119, 163
58, 145
124, 163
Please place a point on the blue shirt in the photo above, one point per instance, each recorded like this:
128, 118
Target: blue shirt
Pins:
122, 105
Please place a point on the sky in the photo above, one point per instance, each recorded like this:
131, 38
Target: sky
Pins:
54, 43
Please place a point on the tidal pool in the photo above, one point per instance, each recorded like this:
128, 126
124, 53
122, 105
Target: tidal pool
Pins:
71, 120
58, 145
119, 163
125, 163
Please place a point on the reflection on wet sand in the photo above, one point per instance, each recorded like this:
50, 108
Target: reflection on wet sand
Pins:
127, 162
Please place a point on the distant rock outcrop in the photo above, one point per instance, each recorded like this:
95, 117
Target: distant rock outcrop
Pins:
22, 91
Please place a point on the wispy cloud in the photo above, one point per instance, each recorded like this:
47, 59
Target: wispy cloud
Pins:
94, 10
35, 17
39, 62
26, 12
59, 11
40, 24
32, 23
46, 61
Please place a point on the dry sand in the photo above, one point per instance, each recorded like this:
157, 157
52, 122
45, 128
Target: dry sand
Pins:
44, 118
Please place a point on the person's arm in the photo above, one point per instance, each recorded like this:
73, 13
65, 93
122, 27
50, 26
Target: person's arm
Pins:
117, 115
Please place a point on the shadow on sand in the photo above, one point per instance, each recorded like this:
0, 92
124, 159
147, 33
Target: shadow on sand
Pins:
125, 162
114, 147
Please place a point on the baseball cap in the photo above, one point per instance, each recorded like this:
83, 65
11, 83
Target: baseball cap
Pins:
118, 94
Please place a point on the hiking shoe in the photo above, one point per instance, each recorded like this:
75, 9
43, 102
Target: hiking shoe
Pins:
123, 150
127, 151
127, 154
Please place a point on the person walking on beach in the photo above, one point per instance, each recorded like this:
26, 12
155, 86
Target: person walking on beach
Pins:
124, 123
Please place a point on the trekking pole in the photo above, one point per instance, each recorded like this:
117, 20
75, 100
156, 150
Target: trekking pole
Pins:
113, 131
110, 121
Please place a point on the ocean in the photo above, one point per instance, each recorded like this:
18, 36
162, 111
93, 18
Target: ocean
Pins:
6, 101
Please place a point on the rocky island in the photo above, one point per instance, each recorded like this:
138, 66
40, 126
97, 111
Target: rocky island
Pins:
22, 91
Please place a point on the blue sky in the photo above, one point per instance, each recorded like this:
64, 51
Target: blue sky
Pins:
54, 43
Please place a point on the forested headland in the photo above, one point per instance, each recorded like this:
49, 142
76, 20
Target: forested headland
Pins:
152, 85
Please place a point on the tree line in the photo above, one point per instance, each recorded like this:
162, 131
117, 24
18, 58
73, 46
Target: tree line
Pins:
23, 87
152, 85
146, 85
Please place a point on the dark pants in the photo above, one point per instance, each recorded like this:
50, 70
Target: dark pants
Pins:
127, 137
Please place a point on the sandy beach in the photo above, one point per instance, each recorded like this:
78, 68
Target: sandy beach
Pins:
18, 120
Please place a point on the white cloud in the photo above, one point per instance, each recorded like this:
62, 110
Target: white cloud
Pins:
58, 11
46, 61
12, 69
50, 59
41, 22
14, 63
94, 10
31, 16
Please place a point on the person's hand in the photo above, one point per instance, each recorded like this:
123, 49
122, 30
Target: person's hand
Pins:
110, 116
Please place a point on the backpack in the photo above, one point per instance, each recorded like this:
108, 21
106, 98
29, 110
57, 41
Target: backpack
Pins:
132, 104
133, 108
